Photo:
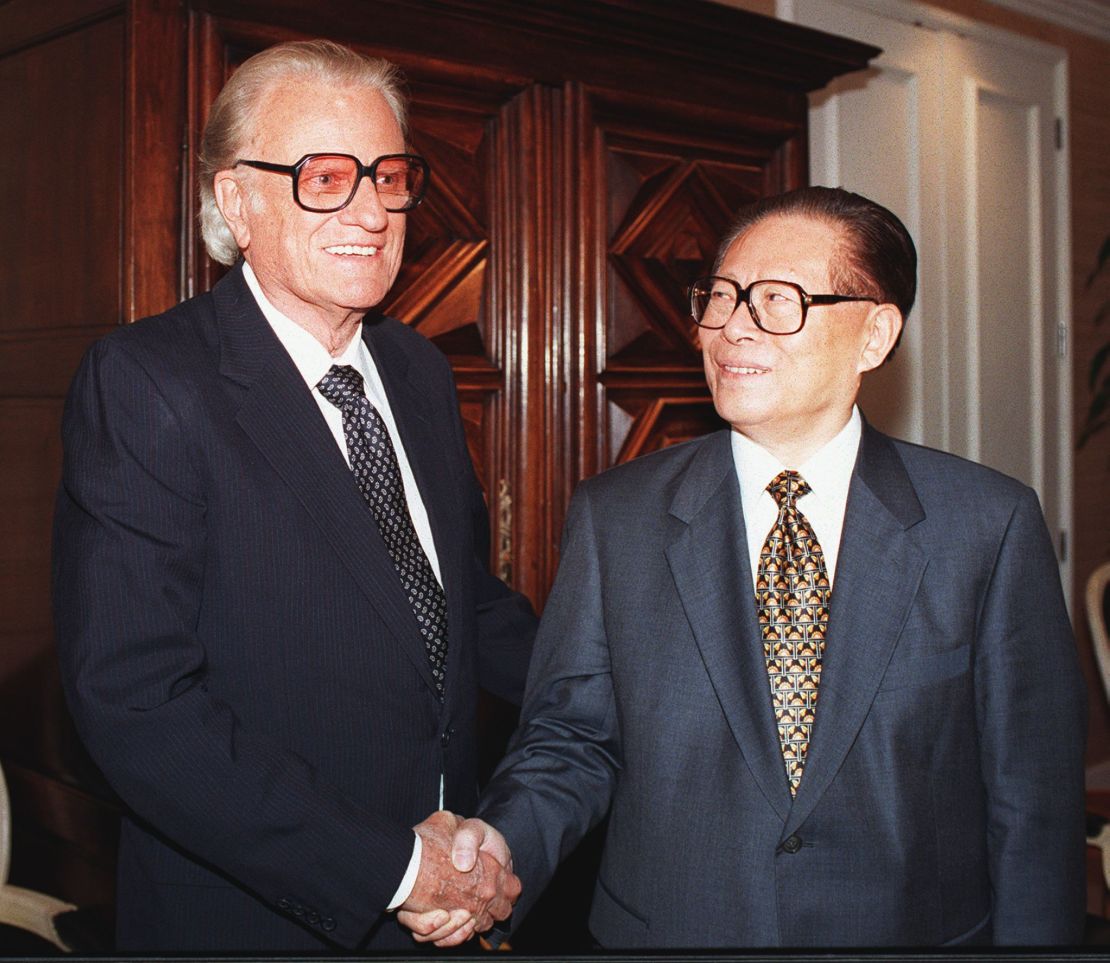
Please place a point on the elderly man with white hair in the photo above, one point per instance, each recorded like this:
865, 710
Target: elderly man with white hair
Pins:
272, 601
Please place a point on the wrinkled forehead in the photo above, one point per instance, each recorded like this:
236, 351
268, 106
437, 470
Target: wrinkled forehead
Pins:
317, 116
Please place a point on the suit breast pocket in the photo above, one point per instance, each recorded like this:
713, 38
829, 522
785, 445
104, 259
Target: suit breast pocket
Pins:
916, 668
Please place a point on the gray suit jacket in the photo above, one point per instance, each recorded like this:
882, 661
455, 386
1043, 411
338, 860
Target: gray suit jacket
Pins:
942, 800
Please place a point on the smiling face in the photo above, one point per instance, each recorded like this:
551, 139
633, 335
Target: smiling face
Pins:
322, 270
793, 393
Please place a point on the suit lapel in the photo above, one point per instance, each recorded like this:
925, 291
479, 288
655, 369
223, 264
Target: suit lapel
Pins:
280, 416
709, 564
878, 573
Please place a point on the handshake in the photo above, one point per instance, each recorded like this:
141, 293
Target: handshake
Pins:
465, 883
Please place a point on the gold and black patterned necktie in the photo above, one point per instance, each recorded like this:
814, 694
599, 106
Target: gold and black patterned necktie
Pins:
792, 598
378, 475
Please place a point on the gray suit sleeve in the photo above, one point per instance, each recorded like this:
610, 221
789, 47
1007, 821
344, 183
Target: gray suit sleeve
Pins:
556, 781
1030, 706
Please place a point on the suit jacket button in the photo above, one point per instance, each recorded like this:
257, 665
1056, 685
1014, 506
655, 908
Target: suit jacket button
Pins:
327, 924
445, 739
792, 844
283, 904
312, 917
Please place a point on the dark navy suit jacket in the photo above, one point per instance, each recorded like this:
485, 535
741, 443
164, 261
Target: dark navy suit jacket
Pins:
236, 647
942, 799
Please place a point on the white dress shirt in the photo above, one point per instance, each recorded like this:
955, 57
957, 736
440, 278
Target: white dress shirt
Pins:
828, 473
313, 361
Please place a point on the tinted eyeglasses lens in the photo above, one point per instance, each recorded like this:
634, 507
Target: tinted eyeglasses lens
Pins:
327, 182
400, 182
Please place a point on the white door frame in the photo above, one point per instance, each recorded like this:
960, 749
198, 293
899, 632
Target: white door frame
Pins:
945, 406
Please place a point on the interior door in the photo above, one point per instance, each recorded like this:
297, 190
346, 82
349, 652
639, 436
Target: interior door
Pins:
956, 129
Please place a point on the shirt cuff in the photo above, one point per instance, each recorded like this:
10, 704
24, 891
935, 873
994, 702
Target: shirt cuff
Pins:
409, 880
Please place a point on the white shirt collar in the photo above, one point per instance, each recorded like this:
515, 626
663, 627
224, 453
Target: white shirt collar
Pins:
828, 471
311, 358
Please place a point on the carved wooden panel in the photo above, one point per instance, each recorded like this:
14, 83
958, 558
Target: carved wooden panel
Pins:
482, 134
441, 288
475, 250
650, 187
672, 188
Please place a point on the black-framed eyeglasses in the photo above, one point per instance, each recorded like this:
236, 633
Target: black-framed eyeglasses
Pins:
777, 307
325, 183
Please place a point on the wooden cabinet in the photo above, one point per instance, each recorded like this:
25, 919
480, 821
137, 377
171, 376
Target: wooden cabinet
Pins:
586, 157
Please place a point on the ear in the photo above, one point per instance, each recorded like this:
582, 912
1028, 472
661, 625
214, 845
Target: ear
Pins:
884, 324
232, 201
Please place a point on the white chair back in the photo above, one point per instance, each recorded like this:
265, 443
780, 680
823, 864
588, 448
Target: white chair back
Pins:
5, 830
1096, 619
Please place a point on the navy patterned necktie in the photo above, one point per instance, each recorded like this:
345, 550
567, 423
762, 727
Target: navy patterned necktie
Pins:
374, 464
792, 598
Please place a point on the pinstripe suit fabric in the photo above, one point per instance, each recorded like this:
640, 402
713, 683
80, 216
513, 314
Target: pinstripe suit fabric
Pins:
236, 648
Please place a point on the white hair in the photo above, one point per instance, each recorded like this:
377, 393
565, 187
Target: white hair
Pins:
235, 113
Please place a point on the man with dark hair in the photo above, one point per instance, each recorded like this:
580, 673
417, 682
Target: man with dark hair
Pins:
271, 593
822, 681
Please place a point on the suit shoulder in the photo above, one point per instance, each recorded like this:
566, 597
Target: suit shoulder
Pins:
403, 337
956, 492
168, 340
951, 472
656, 471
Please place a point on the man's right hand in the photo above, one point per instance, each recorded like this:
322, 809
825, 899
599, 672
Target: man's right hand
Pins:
465, 883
